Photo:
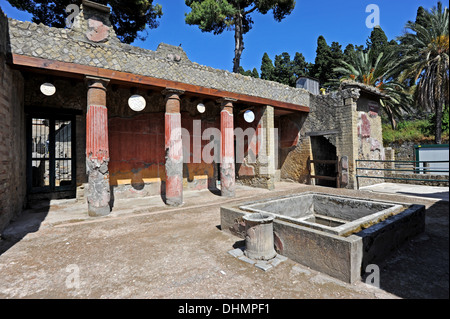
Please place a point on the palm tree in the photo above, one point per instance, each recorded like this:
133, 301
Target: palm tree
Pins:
362, 70
424, 61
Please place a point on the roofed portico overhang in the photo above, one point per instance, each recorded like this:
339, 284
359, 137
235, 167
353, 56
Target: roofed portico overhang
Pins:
71, 70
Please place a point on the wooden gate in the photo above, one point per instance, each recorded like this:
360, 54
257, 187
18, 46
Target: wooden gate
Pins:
335, 163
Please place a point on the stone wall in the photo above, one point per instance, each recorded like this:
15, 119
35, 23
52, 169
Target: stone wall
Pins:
343, 119
332, 116
256, 165
12, 135
404, 150
370, 140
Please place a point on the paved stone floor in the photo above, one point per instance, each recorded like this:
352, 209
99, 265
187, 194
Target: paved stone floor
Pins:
147, 250
428, 192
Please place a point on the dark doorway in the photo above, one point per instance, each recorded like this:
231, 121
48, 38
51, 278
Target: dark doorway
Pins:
322, 149
51, 156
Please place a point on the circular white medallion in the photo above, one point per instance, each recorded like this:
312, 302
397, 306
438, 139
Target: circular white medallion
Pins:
137, 103
201, 108
48, 89
249, 116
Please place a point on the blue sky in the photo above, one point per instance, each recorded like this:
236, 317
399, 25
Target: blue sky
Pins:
341, 21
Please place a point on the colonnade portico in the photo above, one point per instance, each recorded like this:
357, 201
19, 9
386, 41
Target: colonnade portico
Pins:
97, 148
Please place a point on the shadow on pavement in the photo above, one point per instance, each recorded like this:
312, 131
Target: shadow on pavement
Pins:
28, 222
420, 268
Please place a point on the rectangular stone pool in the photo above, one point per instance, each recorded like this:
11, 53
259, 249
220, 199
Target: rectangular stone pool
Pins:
337, 235
336, 215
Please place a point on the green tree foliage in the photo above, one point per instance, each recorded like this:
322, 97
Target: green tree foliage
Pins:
321, 70
421, 17
219, 15
285, 70
349, 53
129, 18
431, 127
267, 68
424, 61
254, 73
327, 60
300, 66
377, 43
336, 56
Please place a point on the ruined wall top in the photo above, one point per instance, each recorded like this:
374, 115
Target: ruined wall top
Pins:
92, 41
3, 34
348, 84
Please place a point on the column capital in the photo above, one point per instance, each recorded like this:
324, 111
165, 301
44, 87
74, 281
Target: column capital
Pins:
173, 100
172, 93
97, 82
227, 101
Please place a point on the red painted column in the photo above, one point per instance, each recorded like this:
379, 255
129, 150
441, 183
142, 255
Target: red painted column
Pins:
227, 166
174, 148
97, 148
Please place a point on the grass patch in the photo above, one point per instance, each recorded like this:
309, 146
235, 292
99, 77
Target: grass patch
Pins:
417, 130
412, 131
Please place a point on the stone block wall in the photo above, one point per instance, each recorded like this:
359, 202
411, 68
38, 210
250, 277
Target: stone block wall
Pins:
12, 135
295, 167
405, 151
258, 166
347, 144
344, 119
370, 140
334, 117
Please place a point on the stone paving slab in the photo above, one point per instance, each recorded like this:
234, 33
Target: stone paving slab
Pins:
419, 191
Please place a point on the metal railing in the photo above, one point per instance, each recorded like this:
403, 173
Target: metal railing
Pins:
403, 167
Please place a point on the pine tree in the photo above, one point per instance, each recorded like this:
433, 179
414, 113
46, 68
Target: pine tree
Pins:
283, 72
219, 15
349, 53
300, 66
267, 68
255, 73
336, 55
321, 69
377, 43
422, 17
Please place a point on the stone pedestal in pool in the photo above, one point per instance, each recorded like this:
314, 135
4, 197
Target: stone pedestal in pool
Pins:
259, 236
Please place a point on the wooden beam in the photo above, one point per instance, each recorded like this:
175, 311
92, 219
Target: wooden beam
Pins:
325, 178
323, 133
326, 162
80, 71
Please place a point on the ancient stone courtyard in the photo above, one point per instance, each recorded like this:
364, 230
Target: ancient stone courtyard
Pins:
149, 250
